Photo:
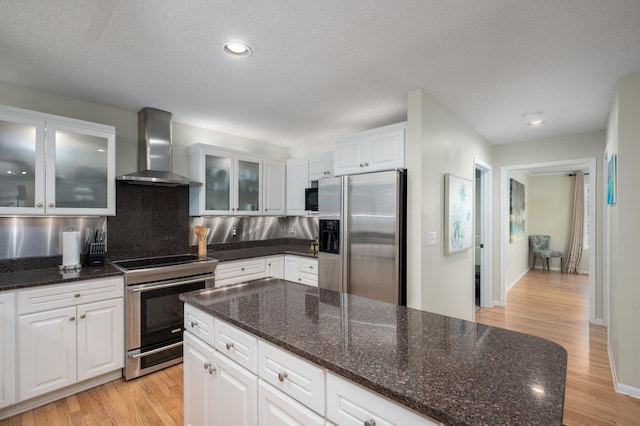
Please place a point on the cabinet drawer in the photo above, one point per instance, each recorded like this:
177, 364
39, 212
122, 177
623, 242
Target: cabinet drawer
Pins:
199, 323
235, 272
63, 295
308, 279
350, 404
296, 377
308, 266
276, 408
238, 345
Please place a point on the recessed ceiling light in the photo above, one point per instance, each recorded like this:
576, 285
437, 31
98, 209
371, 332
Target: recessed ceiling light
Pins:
533, 118
237, 49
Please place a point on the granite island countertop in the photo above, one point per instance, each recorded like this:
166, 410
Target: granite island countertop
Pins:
454, 371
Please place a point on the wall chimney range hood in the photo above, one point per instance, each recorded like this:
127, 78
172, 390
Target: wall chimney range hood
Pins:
155, 152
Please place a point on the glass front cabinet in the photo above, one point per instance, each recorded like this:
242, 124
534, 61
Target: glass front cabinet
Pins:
232, 182
52, 165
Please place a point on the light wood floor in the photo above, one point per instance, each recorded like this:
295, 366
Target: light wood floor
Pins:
556, 306
546, 304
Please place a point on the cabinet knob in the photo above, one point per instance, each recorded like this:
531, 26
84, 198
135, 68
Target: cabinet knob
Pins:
39, 205
51, 205
211, 370
266, 210
72, 318
229, 346
207, 365
76, 295
361, 165
242, 269
83, 316
310, 266
370, 422
299, 279
282, 376
366, 164
193, 324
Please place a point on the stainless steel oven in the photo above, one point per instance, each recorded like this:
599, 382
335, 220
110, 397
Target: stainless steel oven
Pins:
154, 314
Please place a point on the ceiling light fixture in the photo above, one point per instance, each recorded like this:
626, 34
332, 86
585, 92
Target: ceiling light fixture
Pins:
533, 119
236, 49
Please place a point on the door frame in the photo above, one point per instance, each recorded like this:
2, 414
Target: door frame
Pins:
504, 223
486, 262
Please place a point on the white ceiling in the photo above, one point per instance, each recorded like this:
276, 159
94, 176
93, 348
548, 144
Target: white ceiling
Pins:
324, 69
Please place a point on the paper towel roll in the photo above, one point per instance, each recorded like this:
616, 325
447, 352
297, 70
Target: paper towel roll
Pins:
70, 248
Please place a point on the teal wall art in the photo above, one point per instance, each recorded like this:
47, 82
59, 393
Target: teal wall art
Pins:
458, 214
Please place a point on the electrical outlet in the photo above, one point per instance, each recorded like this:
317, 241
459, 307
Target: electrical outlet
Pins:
234, 231
292, 230
432, 238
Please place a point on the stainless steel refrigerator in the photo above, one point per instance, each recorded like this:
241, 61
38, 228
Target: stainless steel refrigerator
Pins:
362, 229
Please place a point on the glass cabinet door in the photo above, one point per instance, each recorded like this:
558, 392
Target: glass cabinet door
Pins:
249, 181
21, 165
217, 185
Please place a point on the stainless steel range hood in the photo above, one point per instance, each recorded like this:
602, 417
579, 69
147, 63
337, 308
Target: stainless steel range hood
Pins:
154, 152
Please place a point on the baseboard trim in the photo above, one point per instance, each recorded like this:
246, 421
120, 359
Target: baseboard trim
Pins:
599, 322
38, 401
514, 282
617, 386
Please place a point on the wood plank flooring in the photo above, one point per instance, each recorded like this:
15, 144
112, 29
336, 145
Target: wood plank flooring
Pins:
555, 306
547, 304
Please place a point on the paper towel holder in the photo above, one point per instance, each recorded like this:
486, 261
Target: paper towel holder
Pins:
73, 266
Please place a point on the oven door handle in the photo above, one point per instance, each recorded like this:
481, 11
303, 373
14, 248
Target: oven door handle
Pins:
155, 351
149, 287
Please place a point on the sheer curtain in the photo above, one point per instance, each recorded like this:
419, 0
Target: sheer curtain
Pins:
577, 229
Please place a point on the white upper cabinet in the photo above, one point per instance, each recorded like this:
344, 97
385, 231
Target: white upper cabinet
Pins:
274, 188
371, 151
52, 165
297, 181
232, 182
321, 166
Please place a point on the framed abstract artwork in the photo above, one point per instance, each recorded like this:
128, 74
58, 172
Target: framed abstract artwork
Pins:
458, 214
516, 211
611, 179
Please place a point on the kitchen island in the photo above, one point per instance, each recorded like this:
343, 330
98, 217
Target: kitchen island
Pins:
452, 371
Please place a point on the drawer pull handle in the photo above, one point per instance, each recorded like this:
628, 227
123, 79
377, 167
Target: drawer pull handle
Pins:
370, 422
194, 324
282, 376
229, 346
76, 295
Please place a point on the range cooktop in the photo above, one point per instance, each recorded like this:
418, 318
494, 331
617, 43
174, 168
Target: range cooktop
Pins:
160, 268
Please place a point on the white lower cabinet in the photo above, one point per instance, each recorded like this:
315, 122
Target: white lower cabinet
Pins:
301, 270
7, 349
72, 342
277, 409
275, 266
349, 404
237, 393
237, 271
199, 382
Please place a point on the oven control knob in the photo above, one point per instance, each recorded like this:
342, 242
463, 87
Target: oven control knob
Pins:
229, 346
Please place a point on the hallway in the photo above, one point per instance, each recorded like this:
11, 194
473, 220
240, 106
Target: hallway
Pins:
555, 306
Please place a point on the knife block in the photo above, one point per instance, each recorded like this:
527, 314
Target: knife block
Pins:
96, 254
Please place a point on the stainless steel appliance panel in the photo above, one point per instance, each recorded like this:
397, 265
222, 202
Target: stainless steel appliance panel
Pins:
331, 265
374, 236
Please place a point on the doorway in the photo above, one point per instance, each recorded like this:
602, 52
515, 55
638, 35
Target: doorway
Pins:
482, 230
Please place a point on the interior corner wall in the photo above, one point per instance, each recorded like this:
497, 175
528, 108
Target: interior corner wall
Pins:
624, 233
579, 146
438, 143
518, 252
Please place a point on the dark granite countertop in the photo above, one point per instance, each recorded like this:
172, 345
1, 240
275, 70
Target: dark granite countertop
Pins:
36, 277
455, 371
247, 253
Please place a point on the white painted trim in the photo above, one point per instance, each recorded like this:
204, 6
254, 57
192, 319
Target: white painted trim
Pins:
32, 403
599, 322
504, 224
514, 282
619, 387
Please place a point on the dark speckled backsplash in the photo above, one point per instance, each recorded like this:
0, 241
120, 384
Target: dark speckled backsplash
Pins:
149, 221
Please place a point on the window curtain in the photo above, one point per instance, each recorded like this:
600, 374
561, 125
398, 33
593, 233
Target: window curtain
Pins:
577, 229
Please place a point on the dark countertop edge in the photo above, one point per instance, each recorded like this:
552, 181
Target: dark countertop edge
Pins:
385, 392
250, 253
39, 277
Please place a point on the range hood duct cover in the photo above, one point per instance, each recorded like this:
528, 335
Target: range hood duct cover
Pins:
155, 152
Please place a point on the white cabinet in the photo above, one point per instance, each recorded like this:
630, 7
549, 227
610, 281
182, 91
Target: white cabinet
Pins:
349, 404
237, 271
274, 187
371, 151
277, 409
232, 182
275, 266
62, 340
7, 349
200, 390
302, 270
237, 393
56, 165
320, 166
297, 181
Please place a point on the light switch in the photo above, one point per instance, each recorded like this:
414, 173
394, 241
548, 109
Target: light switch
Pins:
432, 238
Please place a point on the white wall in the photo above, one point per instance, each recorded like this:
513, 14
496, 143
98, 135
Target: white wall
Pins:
438, 142
126, 124
587, 145
518, 252
623, 134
